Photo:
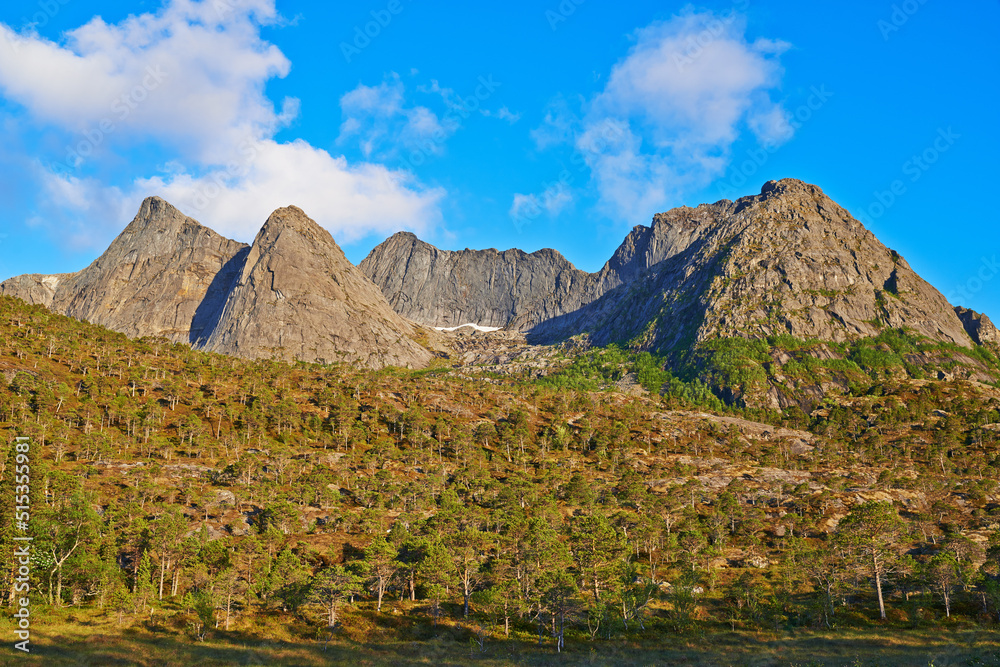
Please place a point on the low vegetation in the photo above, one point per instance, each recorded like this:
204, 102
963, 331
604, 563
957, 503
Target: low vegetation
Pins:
195, 508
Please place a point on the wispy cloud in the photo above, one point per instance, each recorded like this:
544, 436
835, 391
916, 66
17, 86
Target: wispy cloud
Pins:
187, 85
553, 200
378, 118
503, 113
677, 102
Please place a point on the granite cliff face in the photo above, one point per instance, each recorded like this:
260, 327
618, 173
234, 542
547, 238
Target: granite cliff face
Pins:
486, 287
297, 296
158, 278
292, 294
788, 260
512, 288
979, 327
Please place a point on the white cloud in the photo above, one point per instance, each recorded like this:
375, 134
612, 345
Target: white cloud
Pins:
201, 68
556, 199
671, 111
379, 120
83, 213
559, 125
632, 183
503, 113
350, 201
771, 124
553, 200
387, 127
692, 79
191, 75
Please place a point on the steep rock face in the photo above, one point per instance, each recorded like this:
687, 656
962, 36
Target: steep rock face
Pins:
494, 289
979, 327
511, 288
34, 288
297, 296
151, 281
670, 234
788, 260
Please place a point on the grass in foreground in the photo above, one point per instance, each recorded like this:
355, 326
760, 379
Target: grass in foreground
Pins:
84, 637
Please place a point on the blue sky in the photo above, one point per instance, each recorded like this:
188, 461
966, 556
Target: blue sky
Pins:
515, 124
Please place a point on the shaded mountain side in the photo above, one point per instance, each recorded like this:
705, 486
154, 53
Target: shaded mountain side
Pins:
297, 296
292, 294
980, 328
206, 317
151, 281
786, 261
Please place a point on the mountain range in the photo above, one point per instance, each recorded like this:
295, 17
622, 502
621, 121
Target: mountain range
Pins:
786, 261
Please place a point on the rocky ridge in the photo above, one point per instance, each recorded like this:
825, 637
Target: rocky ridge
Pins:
159, 277
292, 294
298, 297
786, 261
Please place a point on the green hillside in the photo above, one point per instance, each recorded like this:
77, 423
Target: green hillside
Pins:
194, 508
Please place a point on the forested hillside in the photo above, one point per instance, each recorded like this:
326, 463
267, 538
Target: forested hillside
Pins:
202, 498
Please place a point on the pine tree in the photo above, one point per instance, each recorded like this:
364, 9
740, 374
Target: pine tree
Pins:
871, 532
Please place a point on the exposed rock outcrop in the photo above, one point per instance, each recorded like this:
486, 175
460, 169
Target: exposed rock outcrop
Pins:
485, 287
292, 294
788, 260
979, 327
153, 280
298, 297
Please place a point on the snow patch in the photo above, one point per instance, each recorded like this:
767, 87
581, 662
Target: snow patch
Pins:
474, 326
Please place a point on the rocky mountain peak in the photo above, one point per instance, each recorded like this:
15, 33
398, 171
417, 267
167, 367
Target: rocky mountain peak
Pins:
155, 279
786, 187
292, 293
294, 219
491, 288
157, 213
787, 260
298, 297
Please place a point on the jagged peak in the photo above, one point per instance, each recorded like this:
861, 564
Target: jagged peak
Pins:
295, 219
158, 213
789, 186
